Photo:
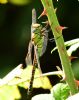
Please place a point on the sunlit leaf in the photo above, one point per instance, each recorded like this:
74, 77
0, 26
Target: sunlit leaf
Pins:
43, 97
16, 72
3, 1
9, 93
74, 97
73, 48
39, 82
60, 91
20, 2
26, 75
74, 44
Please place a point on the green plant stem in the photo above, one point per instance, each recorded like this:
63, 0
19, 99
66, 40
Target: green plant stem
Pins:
57, 32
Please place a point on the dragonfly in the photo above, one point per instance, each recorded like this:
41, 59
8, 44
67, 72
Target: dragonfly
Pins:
38, 42
39, 38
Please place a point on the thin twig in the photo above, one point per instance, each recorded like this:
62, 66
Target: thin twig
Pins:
34, 65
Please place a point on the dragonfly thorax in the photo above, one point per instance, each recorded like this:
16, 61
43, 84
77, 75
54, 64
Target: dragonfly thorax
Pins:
39, 38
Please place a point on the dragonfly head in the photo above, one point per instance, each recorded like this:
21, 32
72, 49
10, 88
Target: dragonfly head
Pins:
37, 26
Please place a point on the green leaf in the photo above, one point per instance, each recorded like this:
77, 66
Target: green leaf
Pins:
74, 44
9, 84
75, 68
60, 91
19, 2
3, 1
73, 48
25, 76
9, 93
38, 82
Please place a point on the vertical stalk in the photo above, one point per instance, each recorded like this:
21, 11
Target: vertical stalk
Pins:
57, 32
34, 64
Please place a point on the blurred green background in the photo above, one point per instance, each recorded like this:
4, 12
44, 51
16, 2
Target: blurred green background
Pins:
15, 27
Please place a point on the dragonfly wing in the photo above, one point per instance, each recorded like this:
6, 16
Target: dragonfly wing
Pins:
44, 42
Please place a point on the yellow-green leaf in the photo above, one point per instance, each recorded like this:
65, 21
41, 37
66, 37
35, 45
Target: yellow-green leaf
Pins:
19, 2
25, 79
38, 82
9, 93
3, 1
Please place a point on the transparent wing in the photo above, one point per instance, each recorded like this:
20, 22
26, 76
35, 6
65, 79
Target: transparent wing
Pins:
44, 45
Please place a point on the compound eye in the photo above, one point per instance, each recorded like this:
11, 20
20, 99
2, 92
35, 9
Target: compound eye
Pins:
35, 25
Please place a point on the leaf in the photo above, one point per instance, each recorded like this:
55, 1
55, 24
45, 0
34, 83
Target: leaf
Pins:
60, 91
73, 48
75, 68
39, 82
43, 97
74, 45
72, 42
19, 2
26, 75
3, 1
16, 72
74, 97
9, 93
